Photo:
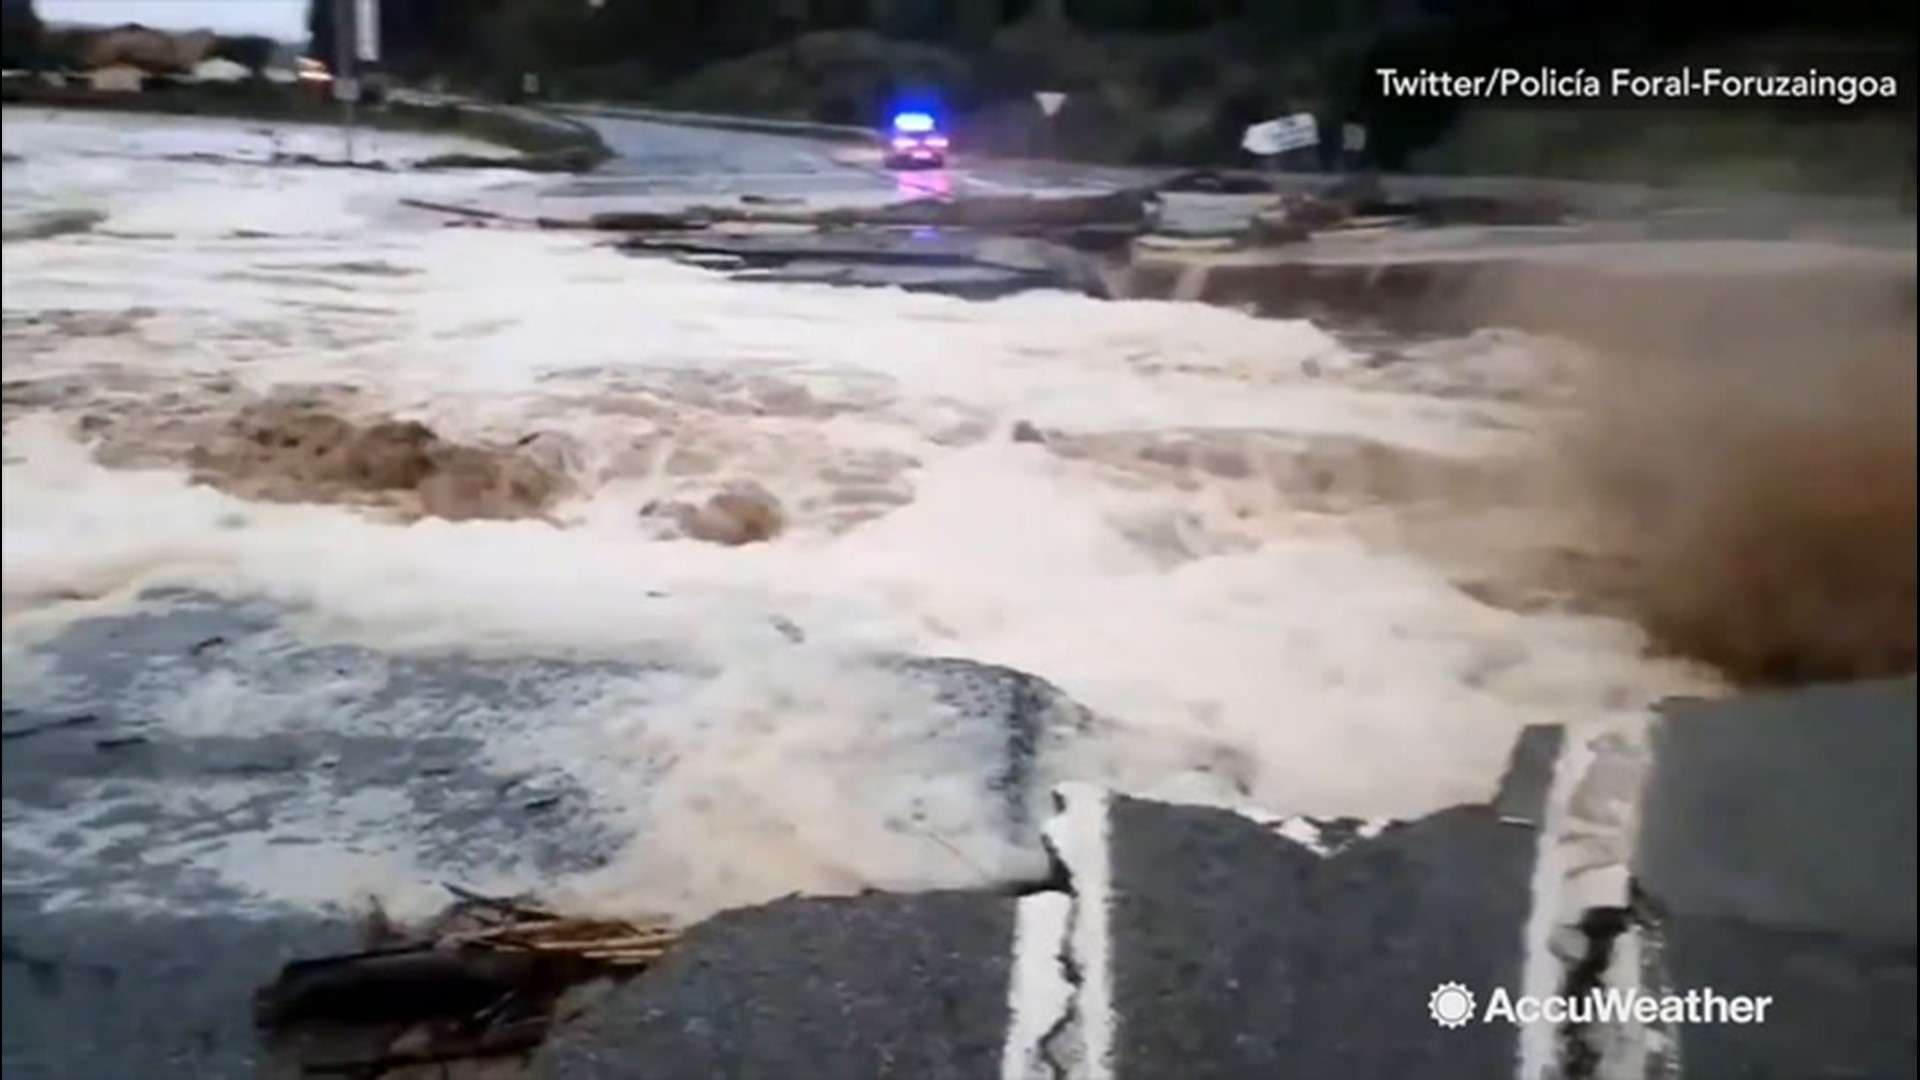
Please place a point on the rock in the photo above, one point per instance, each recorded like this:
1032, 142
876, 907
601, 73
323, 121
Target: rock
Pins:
1024, 432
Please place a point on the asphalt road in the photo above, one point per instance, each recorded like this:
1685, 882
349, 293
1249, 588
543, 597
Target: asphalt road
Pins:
1776, 859
664, 159
162, 860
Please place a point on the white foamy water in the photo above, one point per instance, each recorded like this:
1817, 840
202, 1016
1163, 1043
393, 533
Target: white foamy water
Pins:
1196, 607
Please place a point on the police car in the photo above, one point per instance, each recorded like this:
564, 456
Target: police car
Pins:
916, 142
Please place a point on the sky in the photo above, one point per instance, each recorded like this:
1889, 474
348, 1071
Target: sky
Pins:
284, 19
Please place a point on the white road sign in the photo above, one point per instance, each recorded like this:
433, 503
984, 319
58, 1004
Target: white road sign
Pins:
1050, 101
366, 30
1353, 138
1281, 135
346, 88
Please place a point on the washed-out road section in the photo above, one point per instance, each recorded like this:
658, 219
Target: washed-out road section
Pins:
167, 759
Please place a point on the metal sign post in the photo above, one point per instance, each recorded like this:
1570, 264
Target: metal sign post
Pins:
366, 31
1353, 141
1050, 102
356, 37
345, 91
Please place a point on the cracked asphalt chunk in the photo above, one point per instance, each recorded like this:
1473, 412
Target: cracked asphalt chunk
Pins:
220, 738
1241, 954
868, 988
1777, 858
195, 784
105, 996
1522, 795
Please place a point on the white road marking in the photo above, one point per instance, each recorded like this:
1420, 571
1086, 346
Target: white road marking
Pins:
1309, 833
1039, 992
1061, 991
1086, 827
1581, 862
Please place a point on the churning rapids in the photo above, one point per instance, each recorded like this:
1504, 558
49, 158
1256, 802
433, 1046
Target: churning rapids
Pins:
1265, 562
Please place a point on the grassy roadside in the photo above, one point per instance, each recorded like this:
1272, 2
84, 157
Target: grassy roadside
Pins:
545, 142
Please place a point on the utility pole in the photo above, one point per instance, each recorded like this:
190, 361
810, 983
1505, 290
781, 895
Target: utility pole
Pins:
356, 37
346, 89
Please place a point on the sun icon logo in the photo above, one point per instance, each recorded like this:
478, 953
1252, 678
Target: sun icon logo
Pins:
1450, 1005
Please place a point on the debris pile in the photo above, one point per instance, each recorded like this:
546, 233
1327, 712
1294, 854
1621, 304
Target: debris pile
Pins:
488, 982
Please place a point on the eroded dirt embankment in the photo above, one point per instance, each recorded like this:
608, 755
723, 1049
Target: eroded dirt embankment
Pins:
1749, 446
1734, 468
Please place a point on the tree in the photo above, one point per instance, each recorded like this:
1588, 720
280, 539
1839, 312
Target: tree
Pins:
415, 35
251, 51
21, 34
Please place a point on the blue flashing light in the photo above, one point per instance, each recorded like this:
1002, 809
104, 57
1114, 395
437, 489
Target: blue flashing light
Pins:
913, 123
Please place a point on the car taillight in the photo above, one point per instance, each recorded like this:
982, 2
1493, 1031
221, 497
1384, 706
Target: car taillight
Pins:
902, 142
938, 142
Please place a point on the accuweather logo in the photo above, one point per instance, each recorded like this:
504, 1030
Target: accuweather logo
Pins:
1452, 1005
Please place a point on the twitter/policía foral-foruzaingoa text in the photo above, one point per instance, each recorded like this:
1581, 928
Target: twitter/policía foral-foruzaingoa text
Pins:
1697, 85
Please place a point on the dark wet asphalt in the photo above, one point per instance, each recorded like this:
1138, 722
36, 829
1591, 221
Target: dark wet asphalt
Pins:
185, 782
1777, 858
679, 160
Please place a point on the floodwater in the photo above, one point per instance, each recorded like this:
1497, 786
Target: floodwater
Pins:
1226, 535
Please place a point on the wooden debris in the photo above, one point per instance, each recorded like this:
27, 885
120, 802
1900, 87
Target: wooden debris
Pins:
485, 984
467, 213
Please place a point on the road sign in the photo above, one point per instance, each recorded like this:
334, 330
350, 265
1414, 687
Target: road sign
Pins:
1353, 138
1281, 135
346, 88
1050, 101
366, 30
